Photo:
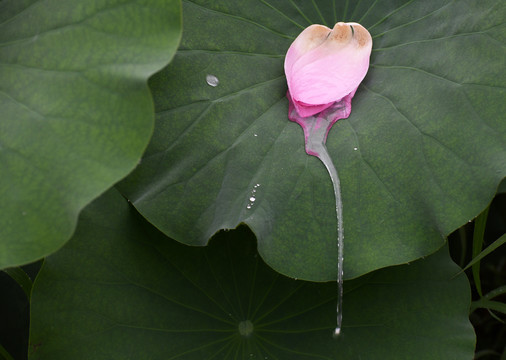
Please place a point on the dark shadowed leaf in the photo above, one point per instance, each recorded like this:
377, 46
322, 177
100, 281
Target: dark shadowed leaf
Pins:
121, 290
76, 113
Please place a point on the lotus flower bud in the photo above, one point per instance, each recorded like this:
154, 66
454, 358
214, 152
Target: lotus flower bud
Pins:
325, 66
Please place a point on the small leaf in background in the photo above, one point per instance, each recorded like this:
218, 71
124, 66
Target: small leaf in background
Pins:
121, 290
491, 248
22, 278
489, 304
76, 112
421, 154
478, 234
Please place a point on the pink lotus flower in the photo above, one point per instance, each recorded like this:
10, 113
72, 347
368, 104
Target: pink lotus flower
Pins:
325, 66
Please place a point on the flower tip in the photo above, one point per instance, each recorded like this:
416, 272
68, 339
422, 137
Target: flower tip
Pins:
341, 33
361, 36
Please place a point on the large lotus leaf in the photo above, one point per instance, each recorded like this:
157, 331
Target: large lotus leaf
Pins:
421, 154
76, 111
121, 290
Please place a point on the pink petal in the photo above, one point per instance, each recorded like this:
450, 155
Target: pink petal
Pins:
335, 111
305, 110
323, 66
308, 39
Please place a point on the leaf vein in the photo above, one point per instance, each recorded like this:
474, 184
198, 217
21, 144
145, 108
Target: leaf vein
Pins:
236, 17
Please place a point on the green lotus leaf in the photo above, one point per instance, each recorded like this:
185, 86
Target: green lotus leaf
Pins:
76, 111
421, 154
119, 289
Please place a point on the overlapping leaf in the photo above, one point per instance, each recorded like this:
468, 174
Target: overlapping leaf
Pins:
76, 112
422, 152
120, 290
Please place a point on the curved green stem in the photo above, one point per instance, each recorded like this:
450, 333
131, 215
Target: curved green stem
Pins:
315, 131
327, 161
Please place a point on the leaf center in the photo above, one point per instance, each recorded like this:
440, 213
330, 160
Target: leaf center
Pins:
246, 328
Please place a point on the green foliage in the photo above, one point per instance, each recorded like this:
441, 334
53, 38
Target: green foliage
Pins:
76, 110
491, 248
479, 232
22, 278
421, 154
126, 291
487, 311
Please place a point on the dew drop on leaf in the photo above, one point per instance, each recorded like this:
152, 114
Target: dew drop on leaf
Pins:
212, 80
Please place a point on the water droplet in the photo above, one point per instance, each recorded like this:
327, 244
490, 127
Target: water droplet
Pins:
252, 197
212, 80
255, 134
336, 333
355, 148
